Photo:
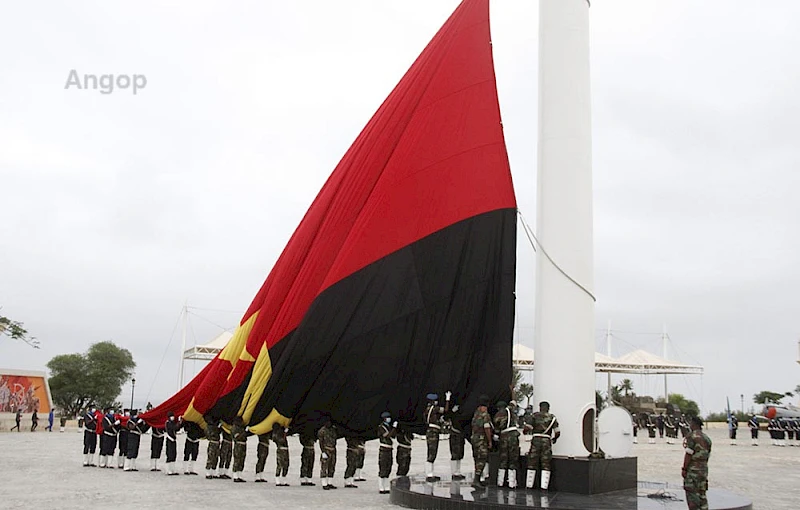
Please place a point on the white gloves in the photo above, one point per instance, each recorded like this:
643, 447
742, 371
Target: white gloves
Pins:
455, 408
324, 456
394, 425
447, 395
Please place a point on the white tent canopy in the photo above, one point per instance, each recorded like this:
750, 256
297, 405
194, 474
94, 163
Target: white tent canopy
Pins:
208, 351
636, 362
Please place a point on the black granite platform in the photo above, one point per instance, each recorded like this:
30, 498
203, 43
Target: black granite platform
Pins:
415, 492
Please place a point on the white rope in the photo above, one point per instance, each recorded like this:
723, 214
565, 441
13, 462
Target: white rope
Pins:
532, 237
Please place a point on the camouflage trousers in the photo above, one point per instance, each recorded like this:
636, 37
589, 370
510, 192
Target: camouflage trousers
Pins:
541, 452
213, 454
403, 459
695, 483
352, 462
456, 445
384, 461
225, 452
432, 439
282, 459
509, 450
307, 461
239, 453
328, 466
261, 455
480, 453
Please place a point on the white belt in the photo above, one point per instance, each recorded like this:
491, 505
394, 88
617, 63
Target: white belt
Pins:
158, 436
109, 434
193, 440
171, 439
283, 448
542, 435
433, 426
401, 445
509, 429
386, 446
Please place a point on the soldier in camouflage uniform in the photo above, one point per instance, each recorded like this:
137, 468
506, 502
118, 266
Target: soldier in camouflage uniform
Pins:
239, 434
362, 453
505, 422
544, 428
307, 439
352, 462
386, 430
212, 434
433, 419
261, 459
481, 438
282, 455
695, 466
404, 438
225, 453
327, 443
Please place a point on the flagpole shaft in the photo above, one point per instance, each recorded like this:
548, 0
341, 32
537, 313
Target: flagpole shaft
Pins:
564, 339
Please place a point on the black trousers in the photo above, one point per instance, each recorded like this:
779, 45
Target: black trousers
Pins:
123, 442
133, 445
89, 441
107, 444
190, 450
156, 445
172, 450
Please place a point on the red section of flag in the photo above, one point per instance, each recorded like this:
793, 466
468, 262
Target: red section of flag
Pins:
432, 155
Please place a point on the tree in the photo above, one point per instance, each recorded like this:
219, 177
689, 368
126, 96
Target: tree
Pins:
97, 376
626, 386
525, 390
684, 404
16, 331
516, 379
767, 396
616, 394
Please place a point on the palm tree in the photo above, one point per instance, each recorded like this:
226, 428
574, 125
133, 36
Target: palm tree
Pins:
626, 386
525, 390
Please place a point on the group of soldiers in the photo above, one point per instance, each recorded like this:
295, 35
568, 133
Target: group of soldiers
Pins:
120, 433
670, 425
782, 431
488, 433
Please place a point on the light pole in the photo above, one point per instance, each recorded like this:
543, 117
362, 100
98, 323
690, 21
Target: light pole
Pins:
742, 397
133, 386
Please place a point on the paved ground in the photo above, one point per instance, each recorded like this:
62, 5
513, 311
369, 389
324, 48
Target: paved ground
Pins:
44, 470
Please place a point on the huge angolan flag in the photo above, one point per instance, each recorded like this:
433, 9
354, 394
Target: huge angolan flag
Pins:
399, 280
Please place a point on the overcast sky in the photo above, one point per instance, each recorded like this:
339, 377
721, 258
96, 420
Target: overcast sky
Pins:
116, 208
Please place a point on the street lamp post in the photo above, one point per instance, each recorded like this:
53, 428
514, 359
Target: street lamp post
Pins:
133, 386
742, 397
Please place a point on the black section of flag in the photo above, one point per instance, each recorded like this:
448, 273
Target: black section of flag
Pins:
436, 315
